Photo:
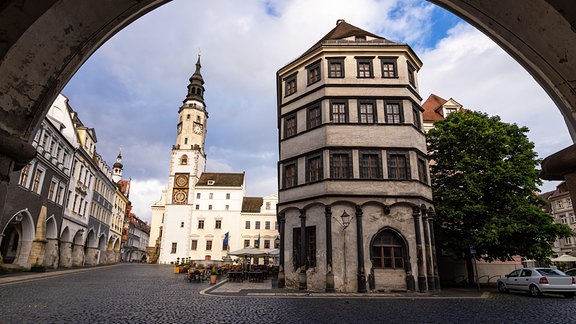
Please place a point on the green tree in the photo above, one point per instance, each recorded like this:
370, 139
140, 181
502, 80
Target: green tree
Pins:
484, 181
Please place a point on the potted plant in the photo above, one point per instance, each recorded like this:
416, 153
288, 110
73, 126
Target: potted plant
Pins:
213, 275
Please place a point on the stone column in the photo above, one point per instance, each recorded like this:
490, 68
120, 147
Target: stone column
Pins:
421, 277
302, 259
281, 229
360, 248
427, 246
431, 215
77, 255
65, 255
38, 249
51, 253
91, 256
329, 274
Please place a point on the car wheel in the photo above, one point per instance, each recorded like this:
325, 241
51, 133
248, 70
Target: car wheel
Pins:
569, 295
534, 291
502, 287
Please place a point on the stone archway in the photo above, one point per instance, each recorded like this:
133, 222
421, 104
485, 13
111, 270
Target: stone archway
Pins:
65, 256
16, 239
51, 253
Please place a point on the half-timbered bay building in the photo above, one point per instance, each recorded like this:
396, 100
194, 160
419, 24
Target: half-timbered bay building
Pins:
355, 202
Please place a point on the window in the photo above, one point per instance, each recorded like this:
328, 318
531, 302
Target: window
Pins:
568, 240
569, 202
257, 225
184, 159
24, 176
572, 218
268, 205
370, 165
200, 224
290, 126
366, 112
422, 170
256, 245
275, 225
227, 196
60, 194
364, 66
290, 85
398, 166
313, 72
338, 112
267, 225
340, 166
388, 251
247, 225
389, 67
37, 183
208, 245
197, 195
194, 245
563, 219
314, 168
52, 190
314, 117
560, 205
310, 246
411, 77
210, 196
336, 68
290, 175
181, 224
416, 117
393, 113
246, 243
174, 245
197, 207
185, 140
266, 244
209, 207
218, 224
227, 207
360, 38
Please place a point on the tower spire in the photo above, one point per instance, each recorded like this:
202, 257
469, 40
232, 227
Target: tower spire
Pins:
196, 86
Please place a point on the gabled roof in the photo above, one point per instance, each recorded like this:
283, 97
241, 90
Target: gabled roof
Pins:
433, 108
344, 30
221, 179
252, 204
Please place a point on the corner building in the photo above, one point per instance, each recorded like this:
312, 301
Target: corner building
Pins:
355, 204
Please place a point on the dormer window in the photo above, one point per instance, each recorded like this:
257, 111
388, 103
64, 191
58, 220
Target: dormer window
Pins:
360, 38
210, 182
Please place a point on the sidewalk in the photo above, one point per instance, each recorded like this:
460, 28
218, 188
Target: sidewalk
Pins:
29, 276
267, 288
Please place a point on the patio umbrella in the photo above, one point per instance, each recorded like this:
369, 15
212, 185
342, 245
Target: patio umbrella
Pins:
564, 258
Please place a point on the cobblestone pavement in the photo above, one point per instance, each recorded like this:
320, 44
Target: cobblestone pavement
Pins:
138, 293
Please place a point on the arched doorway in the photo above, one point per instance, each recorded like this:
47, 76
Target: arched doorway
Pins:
390, 260
16, 239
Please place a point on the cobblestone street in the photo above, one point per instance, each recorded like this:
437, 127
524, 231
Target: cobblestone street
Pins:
137, 293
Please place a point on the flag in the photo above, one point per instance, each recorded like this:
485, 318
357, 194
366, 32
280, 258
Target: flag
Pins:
258, 242
226, 239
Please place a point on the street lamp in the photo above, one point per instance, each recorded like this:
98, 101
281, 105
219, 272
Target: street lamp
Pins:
345, 219
277, 242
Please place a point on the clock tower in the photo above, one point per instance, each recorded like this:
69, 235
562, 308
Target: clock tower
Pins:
188, 156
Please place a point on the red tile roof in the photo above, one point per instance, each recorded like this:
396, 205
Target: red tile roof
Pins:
252, 204
221, 179
433, 108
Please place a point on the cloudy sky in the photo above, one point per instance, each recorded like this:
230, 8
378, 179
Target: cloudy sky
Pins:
131, 88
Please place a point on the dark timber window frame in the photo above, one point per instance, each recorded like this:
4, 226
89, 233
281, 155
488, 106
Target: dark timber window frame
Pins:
411, 74
313, 72
370, 164
314, 168
340, 115
364, 115
341, 164
290, 174
290, 85
422, 170
416, 116
314, 113
398, 165
290, 125
364, 67
336, 67
389, 66
310, 239
388, 251
392, 115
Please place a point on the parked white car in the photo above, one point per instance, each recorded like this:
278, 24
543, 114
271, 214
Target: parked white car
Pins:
537, 281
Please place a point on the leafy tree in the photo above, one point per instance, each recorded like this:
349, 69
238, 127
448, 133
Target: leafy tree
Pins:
484, 182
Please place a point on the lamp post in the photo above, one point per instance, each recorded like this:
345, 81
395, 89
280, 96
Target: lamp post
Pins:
345, 223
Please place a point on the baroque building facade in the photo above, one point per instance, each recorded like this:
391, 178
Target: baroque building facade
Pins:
59, 210
355, 203
199, 215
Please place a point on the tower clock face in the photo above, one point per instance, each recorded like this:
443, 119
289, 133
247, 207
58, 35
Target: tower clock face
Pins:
180, 197
181, 181
197, 128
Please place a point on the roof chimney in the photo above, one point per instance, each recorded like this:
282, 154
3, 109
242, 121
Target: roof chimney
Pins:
339, 21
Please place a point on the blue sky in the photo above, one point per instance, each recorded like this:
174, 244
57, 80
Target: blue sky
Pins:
131, 88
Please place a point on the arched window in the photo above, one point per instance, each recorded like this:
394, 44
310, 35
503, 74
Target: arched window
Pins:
388, 251
184, 159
